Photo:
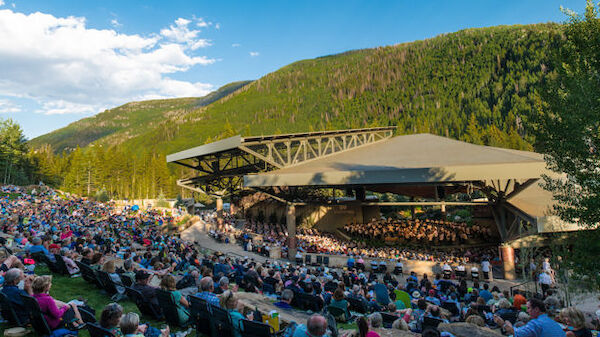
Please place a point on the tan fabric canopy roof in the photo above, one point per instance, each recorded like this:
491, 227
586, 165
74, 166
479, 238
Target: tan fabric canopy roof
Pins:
410, 159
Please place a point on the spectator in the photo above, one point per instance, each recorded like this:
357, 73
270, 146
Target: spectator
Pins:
11, 279
168, 284
575, 319
364, 328
316, 326
111, 317
286, 299
56, 313
540, 324
229, 302
207, 291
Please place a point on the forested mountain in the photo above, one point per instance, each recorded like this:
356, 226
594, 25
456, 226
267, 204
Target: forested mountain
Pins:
129, 120
477, 85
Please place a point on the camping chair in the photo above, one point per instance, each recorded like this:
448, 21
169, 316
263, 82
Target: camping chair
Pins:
36, 318
510, 316
357, 305
8, 311
145, 307
220, 323
89, 274
169, 308
452, 308
397, 270
127, 280
98, 331
200, 313
338, 313
256, 329
431, 322
61, 266
107, 283
388, 319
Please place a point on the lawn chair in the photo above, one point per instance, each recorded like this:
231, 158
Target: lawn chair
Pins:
338, 313
452, 308
200, 313
388, 319
431, 322
61, 266
256, 329
8, 312
98, 331
37, 319
357, 305
145, 307
169, 308
89, 274
107, 283
220, 323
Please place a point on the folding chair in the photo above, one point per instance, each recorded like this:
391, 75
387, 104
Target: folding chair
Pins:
98, 331
145, 307
169, 308
256, 329
8, 311
220, 323
200, 313
37, 319
388, 319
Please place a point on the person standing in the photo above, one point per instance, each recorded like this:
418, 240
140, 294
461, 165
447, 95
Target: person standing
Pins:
486, 268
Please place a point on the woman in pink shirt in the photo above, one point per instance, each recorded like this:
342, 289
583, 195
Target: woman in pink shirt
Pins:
57, 313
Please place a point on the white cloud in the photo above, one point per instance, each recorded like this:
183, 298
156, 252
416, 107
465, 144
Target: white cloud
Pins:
218, 26
181, 33
115, 23
254, 53
7, 106
69, 68
1, 2
235, 45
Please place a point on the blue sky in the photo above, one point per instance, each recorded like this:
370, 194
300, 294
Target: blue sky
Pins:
64, 60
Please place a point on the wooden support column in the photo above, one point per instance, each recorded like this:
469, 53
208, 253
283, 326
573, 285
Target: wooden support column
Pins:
291, 227
507, 254
219, 210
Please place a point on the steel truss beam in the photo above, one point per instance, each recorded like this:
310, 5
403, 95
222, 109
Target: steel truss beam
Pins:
222, 172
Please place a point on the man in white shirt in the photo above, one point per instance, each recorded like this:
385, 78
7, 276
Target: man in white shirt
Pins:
485, 268
545, 281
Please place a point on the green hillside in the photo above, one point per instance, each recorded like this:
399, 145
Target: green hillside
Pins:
477, 85
129, 120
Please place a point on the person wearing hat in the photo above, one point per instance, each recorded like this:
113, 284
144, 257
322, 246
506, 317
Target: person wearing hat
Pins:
432, 299
142, 278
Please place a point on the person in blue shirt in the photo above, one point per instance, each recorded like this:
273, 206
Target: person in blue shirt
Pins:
286, 299
485, 293
13, 293
37, 247
208, 287
540, 324
316, 326
350, 262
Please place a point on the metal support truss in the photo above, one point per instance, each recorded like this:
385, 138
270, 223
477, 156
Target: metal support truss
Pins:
221, 166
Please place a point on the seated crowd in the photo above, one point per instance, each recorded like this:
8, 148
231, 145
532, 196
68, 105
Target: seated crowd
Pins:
310, 240
130, 245
406, 231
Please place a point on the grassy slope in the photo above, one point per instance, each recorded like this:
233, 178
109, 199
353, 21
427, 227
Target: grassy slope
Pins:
129, 120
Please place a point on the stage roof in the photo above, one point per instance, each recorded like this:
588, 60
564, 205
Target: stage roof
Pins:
409, 159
